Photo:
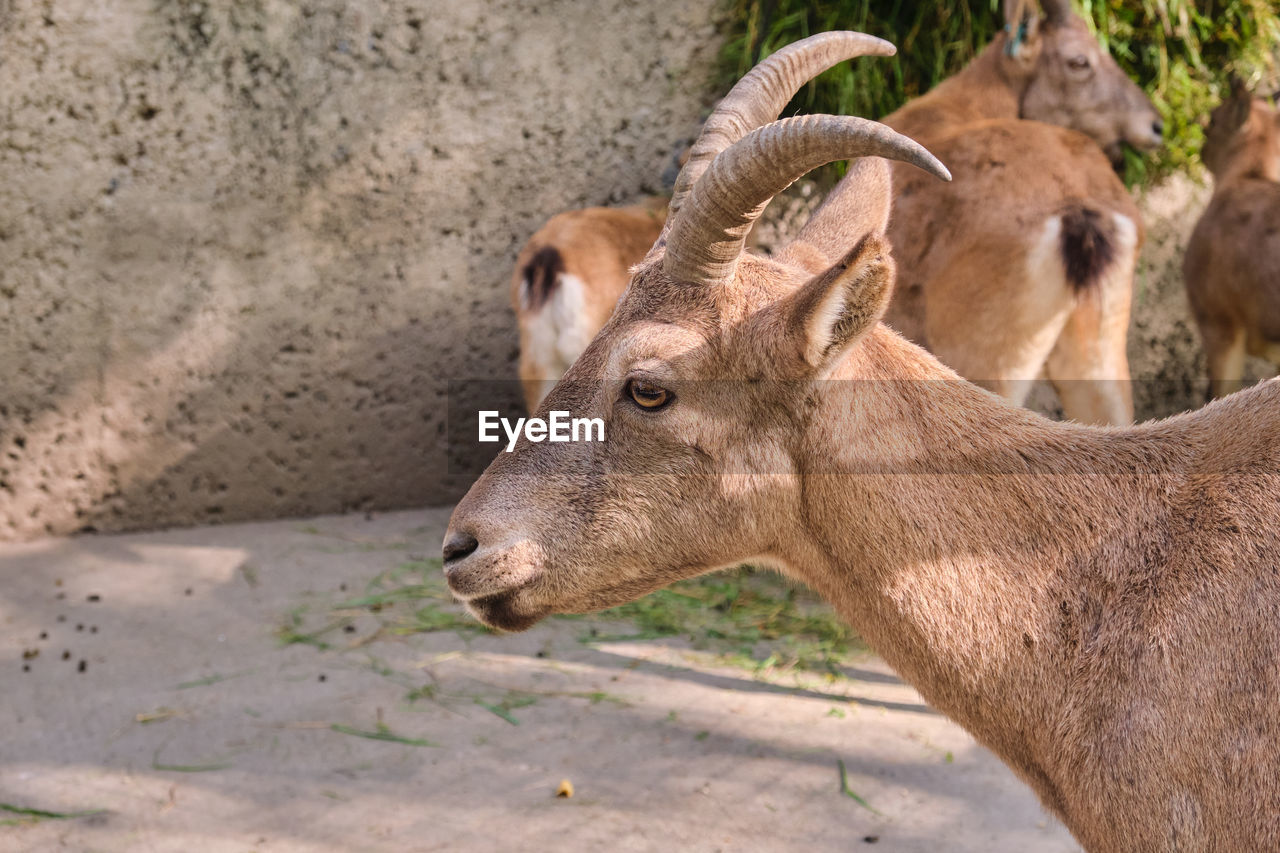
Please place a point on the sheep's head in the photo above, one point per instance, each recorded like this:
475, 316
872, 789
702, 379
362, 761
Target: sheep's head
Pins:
1243, 136
1072, 82
702, 378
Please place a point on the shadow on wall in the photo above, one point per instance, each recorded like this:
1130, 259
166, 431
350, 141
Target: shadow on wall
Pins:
245, 247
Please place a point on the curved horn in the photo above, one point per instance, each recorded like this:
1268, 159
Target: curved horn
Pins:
759, 97
708, 234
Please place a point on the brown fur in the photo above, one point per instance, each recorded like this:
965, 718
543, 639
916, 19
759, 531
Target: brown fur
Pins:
1232, 265
1099, 606
967, 287
598, 246
1088, 247
539, 277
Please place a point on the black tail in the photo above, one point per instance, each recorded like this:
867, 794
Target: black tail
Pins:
541, 275
1087, 247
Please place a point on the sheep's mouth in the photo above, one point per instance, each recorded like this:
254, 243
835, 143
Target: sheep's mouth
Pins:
1115, 153
507, 611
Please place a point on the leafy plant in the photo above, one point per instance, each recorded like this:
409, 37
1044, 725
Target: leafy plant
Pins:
1180, 51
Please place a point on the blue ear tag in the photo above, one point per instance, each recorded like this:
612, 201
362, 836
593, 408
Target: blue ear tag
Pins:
1016, 39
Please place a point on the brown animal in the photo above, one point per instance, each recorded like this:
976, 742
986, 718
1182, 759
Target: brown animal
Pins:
1099, 606
1232, 265
567, 279
1025, 262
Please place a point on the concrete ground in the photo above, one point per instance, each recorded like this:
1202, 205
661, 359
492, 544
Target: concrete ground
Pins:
147, 682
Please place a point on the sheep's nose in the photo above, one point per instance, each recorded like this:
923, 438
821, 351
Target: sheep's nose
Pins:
1157, 127
458, 546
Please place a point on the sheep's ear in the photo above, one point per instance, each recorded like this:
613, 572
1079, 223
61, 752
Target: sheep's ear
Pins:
1022, 32
836, 308
1237, 107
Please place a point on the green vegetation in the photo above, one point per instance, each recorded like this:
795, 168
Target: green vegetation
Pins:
753, 619
409, 599
514, 699
30, 815
290, 632
762, 619
212, 679
849, 792
188, 768
381, 733
1180, 51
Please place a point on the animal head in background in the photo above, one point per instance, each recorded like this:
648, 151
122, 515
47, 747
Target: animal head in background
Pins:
1071, 81
1243, 136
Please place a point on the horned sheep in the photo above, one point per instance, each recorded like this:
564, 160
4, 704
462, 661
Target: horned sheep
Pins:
1099, 606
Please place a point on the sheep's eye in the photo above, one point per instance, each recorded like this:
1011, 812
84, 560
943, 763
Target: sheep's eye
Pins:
1078, 63
647, 395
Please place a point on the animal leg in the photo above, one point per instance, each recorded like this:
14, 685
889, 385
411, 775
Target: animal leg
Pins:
1089, 367
534, 382
1260, 347
1225, 348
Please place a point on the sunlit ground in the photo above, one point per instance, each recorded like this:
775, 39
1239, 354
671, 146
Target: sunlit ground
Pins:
310, 686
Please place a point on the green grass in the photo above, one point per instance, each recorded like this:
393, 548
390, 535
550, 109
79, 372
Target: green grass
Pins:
435, 617
290, 634
188, 768
598, 696
504, 708
756, 619
408, 599
212, 679
30, 815
427, 605
1180, 51
385, 599
381, 733
849, 792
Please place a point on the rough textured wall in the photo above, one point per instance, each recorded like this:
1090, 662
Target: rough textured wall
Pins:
244, 246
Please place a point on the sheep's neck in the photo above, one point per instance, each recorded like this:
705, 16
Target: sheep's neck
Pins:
954, 566
1259, 160
982, 90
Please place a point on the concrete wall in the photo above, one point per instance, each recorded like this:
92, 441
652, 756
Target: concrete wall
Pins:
245, 245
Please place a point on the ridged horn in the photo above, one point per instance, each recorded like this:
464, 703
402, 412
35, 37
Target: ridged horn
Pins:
707, 236
759, 97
